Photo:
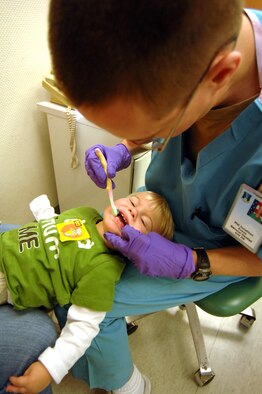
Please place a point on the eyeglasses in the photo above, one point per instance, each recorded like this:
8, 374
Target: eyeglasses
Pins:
160, 144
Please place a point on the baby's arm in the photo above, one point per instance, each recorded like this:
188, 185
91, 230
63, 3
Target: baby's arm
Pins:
81, 327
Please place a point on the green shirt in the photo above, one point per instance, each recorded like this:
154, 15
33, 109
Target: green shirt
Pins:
43, 271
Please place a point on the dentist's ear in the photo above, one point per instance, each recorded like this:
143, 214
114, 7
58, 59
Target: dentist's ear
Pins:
223, 68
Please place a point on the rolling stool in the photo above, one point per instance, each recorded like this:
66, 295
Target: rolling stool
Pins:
234, 299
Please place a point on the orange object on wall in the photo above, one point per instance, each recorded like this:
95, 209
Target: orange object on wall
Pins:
253, 4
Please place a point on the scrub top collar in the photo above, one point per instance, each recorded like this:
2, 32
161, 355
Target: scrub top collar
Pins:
257, 27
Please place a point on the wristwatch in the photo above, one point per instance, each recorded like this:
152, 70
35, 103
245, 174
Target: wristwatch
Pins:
203, 270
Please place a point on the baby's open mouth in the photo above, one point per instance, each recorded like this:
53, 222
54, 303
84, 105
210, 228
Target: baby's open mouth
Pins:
121, 220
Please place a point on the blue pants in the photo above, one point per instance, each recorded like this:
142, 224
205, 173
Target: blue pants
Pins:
108, 363
24, 335
5, 227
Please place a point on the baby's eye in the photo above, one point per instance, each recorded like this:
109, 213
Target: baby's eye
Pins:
143, 222
132, 202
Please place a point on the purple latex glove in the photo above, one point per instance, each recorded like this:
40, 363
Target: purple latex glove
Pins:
118, 157
152, 254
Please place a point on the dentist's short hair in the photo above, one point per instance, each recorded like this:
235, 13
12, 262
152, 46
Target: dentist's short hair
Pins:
153, 51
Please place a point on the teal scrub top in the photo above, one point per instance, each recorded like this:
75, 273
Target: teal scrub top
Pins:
201, 195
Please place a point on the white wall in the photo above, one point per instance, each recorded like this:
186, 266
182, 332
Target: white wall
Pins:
26, 168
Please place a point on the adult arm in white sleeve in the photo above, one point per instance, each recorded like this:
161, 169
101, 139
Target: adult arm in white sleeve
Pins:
81, 327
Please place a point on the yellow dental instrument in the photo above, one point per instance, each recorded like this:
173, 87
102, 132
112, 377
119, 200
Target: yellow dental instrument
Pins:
109, 187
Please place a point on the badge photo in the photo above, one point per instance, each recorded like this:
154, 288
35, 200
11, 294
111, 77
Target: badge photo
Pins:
244, 220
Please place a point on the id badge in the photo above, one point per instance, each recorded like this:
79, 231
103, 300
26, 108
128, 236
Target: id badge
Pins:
244, 220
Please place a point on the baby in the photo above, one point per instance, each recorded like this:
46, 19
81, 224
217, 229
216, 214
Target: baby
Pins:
64, 259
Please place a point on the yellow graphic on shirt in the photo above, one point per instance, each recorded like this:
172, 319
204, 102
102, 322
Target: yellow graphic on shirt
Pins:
72, 230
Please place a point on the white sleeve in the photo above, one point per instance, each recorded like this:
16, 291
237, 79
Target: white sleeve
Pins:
81, 327
41, 208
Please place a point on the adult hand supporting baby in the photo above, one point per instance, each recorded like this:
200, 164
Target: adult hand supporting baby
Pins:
35, 379
152, 254
118, 157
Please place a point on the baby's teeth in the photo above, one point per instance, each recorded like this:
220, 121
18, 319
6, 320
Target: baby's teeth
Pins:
123, 218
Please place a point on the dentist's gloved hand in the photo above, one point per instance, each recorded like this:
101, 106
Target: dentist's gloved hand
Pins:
152, 254
118, 157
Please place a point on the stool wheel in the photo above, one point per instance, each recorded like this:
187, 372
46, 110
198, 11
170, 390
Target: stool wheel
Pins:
131, 328
247, 321
203, 377
248, 317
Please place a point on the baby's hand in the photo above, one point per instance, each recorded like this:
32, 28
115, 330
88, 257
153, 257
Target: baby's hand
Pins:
34, 380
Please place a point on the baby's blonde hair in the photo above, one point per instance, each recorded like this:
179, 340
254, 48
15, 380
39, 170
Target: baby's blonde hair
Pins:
165, 225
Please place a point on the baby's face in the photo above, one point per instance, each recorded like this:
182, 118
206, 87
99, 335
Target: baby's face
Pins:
134, 210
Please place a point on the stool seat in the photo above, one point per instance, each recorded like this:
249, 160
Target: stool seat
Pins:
233, 299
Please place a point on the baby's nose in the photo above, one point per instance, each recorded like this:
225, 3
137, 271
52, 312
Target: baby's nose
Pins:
133, 212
